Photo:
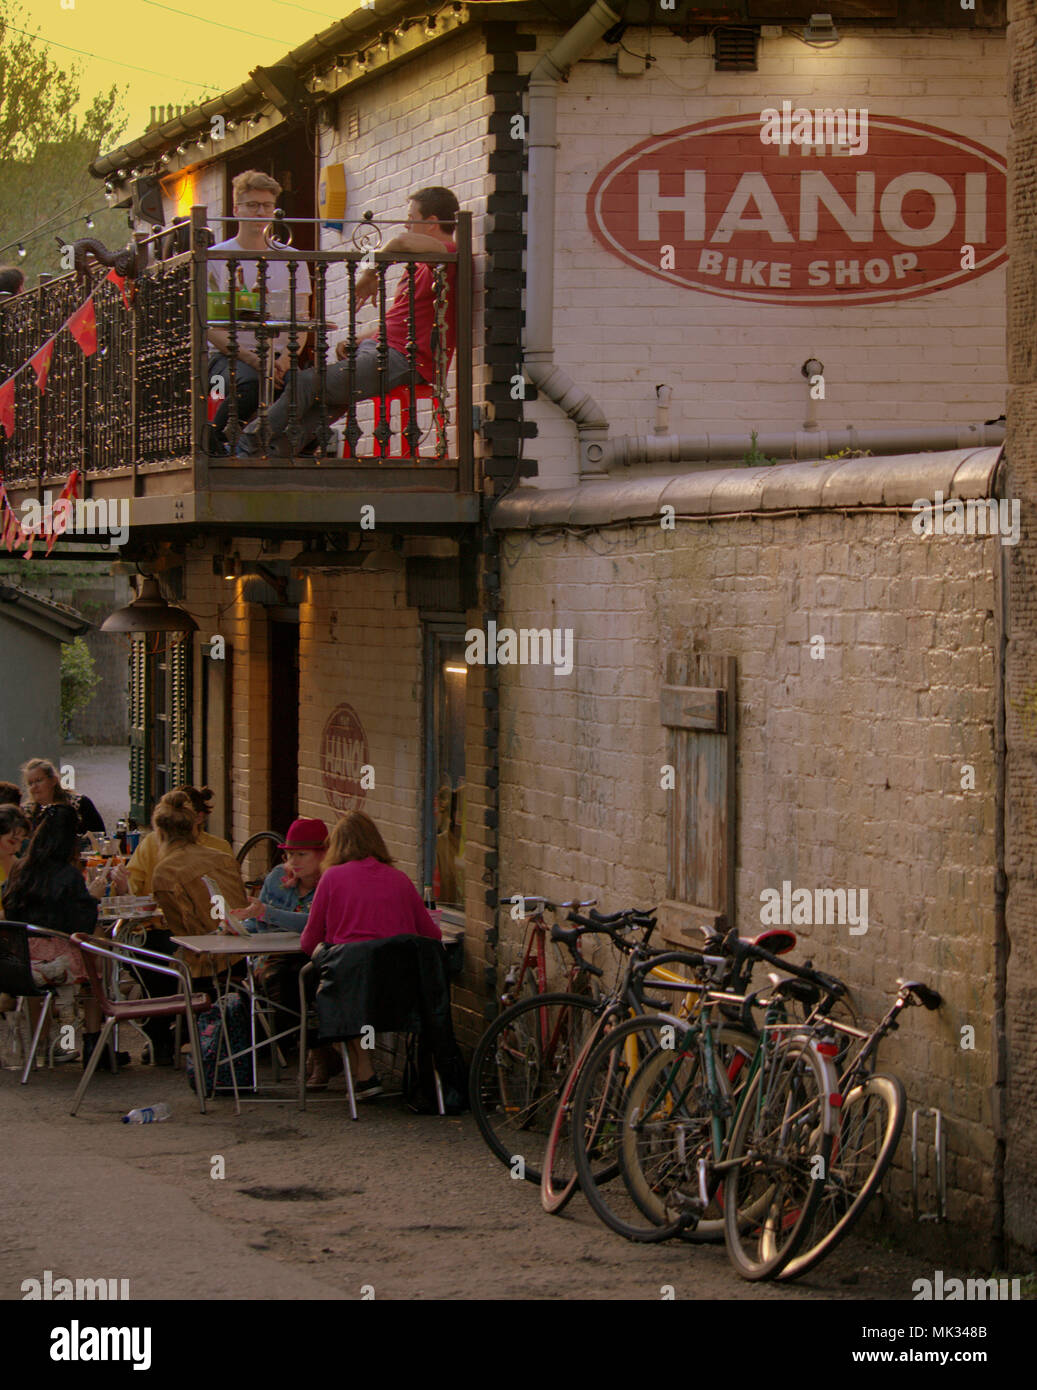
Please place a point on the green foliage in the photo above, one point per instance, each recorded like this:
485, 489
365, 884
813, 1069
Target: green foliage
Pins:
754, 458
79, 680
45, 149
850, 454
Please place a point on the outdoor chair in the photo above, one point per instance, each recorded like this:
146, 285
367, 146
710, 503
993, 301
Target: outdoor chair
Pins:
392, 985
383, 407
14, 940
184, 1005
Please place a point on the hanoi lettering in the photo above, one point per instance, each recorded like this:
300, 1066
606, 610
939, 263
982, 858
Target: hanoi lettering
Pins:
871, 217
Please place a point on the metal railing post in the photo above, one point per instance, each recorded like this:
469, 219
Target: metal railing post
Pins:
199, 348
463, 354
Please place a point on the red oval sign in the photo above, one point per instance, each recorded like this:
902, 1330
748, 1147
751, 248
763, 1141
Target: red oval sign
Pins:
713, 208
343, 756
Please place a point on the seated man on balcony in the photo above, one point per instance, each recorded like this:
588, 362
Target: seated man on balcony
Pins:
431, 219
255, 199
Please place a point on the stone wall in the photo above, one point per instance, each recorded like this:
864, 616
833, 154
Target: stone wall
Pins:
1020, 1060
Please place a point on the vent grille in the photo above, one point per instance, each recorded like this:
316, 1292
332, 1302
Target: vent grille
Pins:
734, 50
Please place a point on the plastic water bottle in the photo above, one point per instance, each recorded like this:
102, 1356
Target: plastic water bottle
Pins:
148, 1114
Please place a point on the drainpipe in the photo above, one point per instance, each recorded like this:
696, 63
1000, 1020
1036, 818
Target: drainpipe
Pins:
538, 352
802, 444
1002, 943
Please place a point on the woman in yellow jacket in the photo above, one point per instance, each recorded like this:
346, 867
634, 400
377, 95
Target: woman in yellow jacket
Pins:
141, 868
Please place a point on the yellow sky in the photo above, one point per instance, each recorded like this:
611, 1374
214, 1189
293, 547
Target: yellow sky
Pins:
196, 57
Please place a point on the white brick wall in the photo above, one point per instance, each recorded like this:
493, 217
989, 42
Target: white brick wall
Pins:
735, 366
849, 768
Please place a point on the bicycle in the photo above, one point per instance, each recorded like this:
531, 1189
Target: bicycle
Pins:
871, 1123
713, 1130
523, 1058
640, 1207
535, 954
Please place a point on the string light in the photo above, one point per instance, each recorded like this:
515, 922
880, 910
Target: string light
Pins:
88, 220
22, 253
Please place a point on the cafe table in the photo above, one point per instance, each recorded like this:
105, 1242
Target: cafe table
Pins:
280, 943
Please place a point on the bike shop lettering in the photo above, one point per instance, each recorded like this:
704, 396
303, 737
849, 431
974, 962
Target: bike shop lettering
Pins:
712, 208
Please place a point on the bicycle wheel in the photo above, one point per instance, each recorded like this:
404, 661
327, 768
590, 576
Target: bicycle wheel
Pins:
668, 1128
601, 1104
780, 1149
519, 1068
559, 1178
870, 1125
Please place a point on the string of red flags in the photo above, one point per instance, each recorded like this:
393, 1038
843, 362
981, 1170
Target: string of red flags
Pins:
51, 520
82, 325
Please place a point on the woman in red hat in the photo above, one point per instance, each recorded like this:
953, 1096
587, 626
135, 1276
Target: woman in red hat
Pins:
284, 905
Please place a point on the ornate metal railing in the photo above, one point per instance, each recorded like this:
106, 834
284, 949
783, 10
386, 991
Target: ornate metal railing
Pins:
148, 397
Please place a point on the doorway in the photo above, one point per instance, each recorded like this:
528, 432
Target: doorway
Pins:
284, 721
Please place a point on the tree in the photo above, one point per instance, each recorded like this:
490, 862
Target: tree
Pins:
45, 149
79, 680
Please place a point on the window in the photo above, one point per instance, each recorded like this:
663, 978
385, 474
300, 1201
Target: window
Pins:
445, 807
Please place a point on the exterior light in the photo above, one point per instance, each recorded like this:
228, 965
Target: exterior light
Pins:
22, 253
149, 612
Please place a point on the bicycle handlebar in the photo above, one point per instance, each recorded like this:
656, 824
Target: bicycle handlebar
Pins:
929, 997
741, 948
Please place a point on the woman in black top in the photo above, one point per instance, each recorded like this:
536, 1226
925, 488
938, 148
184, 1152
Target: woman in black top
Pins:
43, 788
46, 889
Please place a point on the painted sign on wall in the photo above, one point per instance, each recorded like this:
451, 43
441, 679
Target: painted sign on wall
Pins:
713, 208
343, 757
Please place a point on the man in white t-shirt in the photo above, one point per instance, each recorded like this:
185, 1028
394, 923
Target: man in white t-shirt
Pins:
255, 201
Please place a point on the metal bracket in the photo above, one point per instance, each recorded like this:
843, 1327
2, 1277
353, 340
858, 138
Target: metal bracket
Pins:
939, 1148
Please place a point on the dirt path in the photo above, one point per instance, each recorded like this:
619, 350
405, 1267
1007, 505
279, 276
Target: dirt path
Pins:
313, 1206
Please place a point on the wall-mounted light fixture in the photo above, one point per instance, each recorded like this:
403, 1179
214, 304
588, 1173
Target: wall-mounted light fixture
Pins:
821, 31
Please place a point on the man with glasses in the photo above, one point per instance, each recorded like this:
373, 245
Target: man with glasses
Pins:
255, 202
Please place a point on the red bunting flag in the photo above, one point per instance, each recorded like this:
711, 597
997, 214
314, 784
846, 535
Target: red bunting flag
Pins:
60, 516
7, 406
83, 327
119, 280
40, 363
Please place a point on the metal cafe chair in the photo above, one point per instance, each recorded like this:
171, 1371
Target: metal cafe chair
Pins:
14, 936
184, 1005
304, 1010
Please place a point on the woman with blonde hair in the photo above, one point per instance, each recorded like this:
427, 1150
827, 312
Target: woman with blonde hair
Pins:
360, 897
43, 788
142, 863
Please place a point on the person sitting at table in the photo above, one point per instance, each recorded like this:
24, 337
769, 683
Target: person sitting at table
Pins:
177, 884
43, 788
14, 831
284, 905
46, 889
10, 794
360, 897
144, 858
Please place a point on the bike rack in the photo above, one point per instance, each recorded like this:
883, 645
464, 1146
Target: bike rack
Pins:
939, 1149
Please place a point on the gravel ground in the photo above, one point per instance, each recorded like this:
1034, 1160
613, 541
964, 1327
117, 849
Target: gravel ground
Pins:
311, 1205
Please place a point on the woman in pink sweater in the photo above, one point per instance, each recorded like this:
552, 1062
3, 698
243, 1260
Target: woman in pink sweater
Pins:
360, 897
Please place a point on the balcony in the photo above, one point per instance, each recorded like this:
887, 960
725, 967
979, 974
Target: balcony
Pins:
135, 417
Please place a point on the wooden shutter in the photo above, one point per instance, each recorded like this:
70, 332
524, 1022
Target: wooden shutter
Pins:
697, 709
140, 723
179, 708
